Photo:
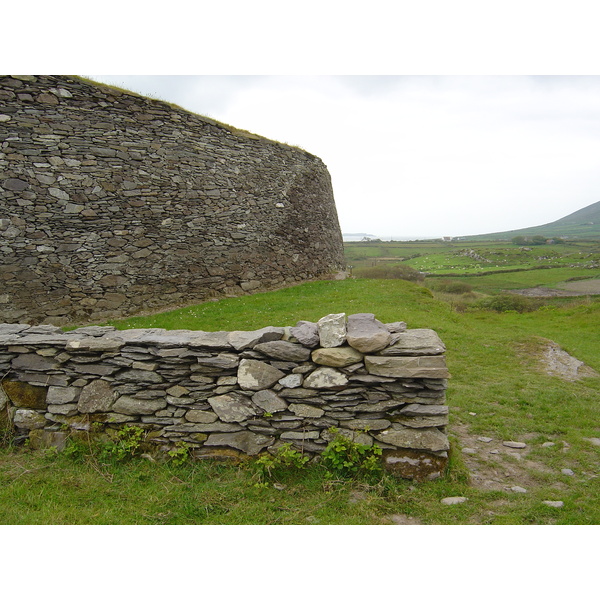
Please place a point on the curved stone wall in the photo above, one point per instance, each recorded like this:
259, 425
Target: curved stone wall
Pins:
113, 204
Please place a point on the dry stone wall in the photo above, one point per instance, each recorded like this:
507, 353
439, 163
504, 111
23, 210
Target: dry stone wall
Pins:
113, 204
236, 393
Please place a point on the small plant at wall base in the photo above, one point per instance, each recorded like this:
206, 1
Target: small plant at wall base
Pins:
273, 466
180, 454
345, 458
127, 444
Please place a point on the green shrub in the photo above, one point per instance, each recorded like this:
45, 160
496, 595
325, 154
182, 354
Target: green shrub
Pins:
388, 272
448, 286
273, 466
345, 458
508, 303
128, 442
180, 453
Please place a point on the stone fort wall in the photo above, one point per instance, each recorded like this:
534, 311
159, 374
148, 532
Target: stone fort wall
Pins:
113, 204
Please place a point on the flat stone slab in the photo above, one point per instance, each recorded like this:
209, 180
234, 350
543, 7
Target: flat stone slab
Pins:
246, 441
433, 367
417, 439
415, 342
282, 350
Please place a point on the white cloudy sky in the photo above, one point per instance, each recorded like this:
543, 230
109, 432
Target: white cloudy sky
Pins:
434, 118
414, 156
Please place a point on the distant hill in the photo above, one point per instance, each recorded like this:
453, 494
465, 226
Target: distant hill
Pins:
583, 223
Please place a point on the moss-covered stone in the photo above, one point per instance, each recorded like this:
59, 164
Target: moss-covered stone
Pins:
24, 395
415, 464
40, 439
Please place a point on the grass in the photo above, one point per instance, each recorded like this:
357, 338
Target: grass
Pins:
497, 389
476, 258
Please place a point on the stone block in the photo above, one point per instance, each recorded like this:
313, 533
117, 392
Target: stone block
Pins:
332, 330
414, 464
366, 334
407, 366
25, 395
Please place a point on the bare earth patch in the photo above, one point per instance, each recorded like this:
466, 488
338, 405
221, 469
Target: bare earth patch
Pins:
584, 287
494, 466
561, 364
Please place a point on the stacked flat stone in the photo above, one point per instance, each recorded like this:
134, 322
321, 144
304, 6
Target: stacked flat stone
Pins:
238, 392
111, 203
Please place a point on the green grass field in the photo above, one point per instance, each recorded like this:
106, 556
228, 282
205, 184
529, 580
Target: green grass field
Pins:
475, 257
498, 389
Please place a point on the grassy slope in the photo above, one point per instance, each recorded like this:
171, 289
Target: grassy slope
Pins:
584, 223
493, 375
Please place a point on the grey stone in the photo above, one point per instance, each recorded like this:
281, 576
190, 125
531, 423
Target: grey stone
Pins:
63, 409
62, 395
407, 366
269, 401
200, 416
246, 441
282, 350
420, 422
518, 489
217, 426
417, 439
306, 411
300, 435
306, 333
255, 375
325, 378
133, 406
177, 391
553, 503
211, 340
568, 472
97, 396
396, 327
232, 408
424, 410
366, 334
139, 376
223, 360
33, 362
415, 342
367, 424
342, 356
451, 500
15, 185
95, 344
294, 380
511, 444
332, 330
242, 340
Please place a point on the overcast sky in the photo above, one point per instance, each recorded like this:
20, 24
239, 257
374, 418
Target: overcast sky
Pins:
420, 156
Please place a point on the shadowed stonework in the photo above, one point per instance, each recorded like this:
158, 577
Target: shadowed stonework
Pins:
113, 204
